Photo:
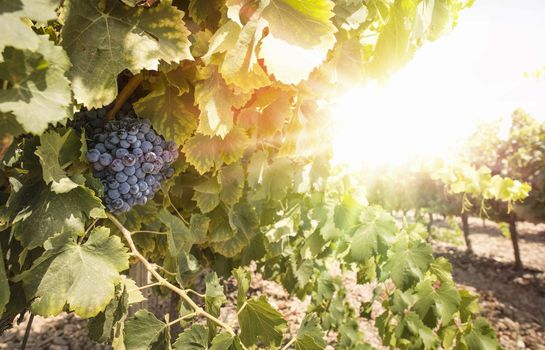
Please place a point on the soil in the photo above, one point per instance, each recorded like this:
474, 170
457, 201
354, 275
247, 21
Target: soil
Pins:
513, 301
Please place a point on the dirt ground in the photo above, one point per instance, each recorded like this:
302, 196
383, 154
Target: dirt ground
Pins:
513, 301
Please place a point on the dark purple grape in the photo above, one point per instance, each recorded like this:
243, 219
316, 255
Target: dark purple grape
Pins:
117, 165
137, 152
124, 144
124, 188
101, 137
113, 138
121, 152
157, 149
122, 134
121, 177
131, 139
150, 157
126, 196
129, 170
105, 159
134, 189
150, 136
141, 136
97, 166
117, 203
92, 155
129, 160
136, 144
157, 142
150, 179
109, 145
131, 180
101, 148
142, 185
113, 184
114, 194
146, 146
169, 173
147, 168
139, 173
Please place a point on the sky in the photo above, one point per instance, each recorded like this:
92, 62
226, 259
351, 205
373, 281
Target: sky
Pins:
472, 75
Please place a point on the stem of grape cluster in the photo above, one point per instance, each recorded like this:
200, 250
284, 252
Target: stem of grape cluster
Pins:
181, 292
124, 95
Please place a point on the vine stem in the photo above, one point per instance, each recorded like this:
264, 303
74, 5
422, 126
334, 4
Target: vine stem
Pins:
124, 95
286, 347
181, 292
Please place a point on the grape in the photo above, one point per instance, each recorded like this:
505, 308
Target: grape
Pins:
131, 180
100, 147
134, 189
139, 173
113, 194
124, 188
124, 144
147, 168
142, 185
121, 177
93, 155
129, 170
150, 157
121, 152
128, 157
146, 146
129, 160
105, 159
117, 165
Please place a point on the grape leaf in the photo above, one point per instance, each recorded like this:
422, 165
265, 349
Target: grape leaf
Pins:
166, 108
193, 338
216, 101
37, 85
225, 341
80, 277
350, 14
49, 151
417, 327
214, 298
300, 35
244, 278
108, 325
310, 336
271, 181
231, 180
199, 225
43, 213
481, 336
407, 262
260, 322
21, 35
4, 285
102, 38
205, 152
145, 331
373, 237
445, 300
179, 237
207, 195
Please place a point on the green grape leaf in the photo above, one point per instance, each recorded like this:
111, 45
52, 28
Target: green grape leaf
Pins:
407, 262
271, 181
37, 85
244, 278
80, 277
102, 38
214, 297
206, 152
216, 101
350, 14
481, 336
260, 322
225, 341
231, 180
166, 107
199, 225
445, 300
108, 325
219, 229
310, 335
48, 152
373, 237
417, 327
179, 237
393, 47
207, 195
240, 66
4, 285
300, 30
134, 294
193, 338
244, 222
12, 15
145, 331
43, 213
274, 116
201, 10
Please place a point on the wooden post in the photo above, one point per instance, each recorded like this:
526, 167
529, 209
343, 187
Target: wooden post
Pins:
140, 275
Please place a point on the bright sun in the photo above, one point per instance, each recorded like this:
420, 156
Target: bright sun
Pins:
448, 89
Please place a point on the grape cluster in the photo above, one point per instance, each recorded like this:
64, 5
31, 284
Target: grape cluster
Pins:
128, 156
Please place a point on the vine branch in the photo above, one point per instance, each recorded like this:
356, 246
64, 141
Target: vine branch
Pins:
181, 292
124, 95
